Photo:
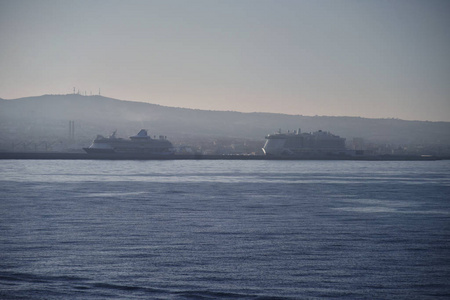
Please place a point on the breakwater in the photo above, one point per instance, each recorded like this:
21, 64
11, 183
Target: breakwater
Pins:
114, 156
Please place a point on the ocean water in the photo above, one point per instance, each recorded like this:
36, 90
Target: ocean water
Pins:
224, 229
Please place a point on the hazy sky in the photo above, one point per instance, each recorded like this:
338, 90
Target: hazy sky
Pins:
377, 59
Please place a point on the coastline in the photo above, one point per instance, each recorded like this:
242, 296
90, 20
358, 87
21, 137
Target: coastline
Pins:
114, 156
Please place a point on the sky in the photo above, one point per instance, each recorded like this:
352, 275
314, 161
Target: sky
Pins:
373, 59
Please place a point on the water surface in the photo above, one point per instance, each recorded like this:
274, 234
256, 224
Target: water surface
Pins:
224, 229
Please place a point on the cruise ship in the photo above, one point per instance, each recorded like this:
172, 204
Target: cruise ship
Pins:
296, 143
140, 144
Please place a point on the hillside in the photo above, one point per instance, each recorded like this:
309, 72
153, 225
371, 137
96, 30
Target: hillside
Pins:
47, 117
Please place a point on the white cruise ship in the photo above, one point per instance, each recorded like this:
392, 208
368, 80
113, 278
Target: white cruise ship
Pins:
304, 144
141, 144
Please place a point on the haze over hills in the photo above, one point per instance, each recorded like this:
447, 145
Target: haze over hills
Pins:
47, 117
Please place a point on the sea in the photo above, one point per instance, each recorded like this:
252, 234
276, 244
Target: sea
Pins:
224, 229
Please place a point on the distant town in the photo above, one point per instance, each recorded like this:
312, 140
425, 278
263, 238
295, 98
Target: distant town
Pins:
68, 123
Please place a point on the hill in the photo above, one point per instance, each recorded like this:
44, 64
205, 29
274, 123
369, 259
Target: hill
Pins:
47, 118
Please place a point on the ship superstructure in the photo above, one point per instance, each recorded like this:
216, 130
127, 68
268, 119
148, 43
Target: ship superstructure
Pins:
141, 144
296, 143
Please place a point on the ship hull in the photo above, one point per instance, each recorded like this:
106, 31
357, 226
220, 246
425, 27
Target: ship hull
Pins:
98, 151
